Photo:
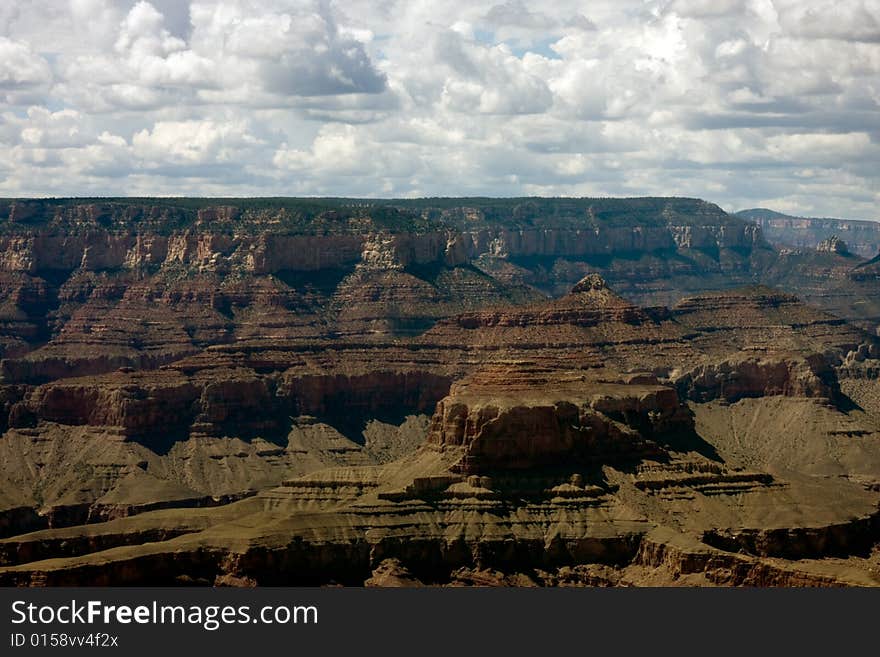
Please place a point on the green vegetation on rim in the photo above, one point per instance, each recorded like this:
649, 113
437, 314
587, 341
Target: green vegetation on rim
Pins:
351, 215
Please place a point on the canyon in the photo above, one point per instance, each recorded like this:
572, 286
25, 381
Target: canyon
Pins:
457, 392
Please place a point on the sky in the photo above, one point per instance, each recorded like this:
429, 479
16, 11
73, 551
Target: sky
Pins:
746, 103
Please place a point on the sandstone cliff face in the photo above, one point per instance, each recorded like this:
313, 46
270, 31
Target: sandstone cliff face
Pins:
158, 406
133, 407
97, 250
45, 249
370, 394
136, 236
609, 240
749, 376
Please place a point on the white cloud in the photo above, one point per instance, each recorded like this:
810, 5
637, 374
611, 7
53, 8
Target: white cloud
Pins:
192, 142
515, 12
20, 67
856, 20
489, 80
22, 71
295, 50
61, 129
746, 102
708, 8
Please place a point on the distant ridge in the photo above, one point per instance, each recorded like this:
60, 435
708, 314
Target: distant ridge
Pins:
861, 236
354, 215
754, 214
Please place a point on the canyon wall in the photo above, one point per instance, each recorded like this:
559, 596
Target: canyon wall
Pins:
442, 391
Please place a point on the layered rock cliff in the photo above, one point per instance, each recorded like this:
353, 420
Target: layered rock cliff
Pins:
441, 391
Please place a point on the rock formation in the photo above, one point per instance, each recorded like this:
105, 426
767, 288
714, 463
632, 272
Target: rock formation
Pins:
833, 245
474, 392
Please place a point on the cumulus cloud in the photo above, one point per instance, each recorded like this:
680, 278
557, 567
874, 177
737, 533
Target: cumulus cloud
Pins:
297, 49
744, 102
192, 142
20, 67
858, 21
708, 8
23, 73
488, 80
62, 129
234, 52
515, 12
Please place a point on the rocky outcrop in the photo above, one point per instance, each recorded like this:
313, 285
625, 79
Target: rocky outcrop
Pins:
501, 426
370, 395
161, 403
590, 303
391, 573
681, 558
227, 402
744, 375
854, 537
833, 245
